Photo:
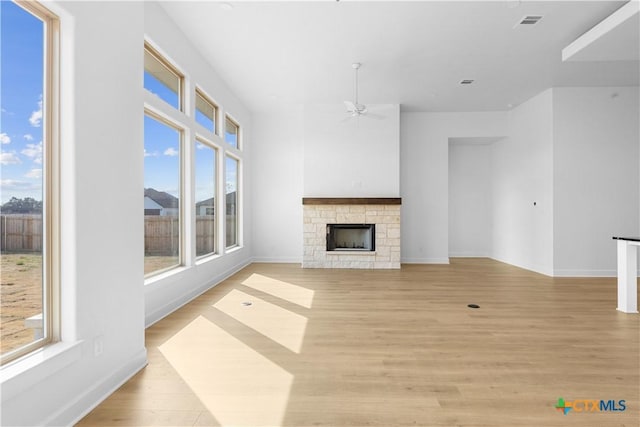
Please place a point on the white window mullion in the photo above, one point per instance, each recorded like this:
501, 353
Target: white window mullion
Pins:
188, 177
239, 204
221, 202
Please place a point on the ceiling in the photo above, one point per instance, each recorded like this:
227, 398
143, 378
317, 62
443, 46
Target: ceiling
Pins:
414, 53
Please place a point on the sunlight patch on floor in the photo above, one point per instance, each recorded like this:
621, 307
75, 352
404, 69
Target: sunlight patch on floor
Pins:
283, 290
238, 385
274, 322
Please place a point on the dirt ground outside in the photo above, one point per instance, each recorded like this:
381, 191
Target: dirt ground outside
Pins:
20, 297
154, 263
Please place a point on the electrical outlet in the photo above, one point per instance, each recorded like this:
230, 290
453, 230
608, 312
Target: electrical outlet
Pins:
98, 346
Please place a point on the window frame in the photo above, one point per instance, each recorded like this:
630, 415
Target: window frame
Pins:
216, 110
182, 131
216, 245
238, 242
194, 131
51, 253
233, 121
148, 47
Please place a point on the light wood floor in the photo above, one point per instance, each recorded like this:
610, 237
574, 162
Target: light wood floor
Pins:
361, 348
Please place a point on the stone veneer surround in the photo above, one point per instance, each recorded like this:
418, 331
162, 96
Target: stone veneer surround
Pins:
386, 217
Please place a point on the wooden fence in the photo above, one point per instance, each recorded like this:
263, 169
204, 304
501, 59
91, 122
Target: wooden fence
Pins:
23, 233
161, 235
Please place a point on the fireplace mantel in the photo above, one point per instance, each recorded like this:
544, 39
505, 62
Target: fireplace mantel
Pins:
351, 201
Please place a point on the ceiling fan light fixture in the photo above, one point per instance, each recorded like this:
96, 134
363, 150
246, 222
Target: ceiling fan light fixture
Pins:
354, 108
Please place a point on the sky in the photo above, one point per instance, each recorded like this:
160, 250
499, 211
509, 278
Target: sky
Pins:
21, 131
21, 84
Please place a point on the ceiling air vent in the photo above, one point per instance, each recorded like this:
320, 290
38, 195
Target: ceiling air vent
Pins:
466, 82
529, 20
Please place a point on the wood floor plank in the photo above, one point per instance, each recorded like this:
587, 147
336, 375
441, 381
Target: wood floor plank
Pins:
386, 348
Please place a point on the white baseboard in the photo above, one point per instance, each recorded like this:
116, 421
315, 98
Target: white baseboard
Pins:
73, 412
535, 269
424, 261
587, 273
279, 260
468, 255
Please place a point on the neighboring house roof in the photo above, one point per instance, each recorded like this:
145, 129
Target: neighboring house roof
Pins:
150, 203
165, 200
230, 198
207, 202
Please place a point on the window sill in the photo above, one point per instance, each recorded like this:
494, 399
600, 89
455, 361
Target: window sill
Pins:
161, 276
232, 249
205, 259
29, 370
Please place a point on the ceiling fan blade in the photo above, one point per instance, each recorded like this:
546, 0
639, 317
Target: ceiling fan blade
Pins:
350, 106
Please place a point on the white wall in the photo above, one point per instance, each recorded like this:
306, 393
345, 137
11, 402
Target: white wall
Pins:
166, 292
470, 199
277, 186
102, 248
424, 176
596, 141
357, 157
522, 176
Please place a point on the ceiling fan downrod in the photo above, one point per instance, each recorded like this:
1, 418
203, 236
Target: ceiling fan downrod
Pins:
356, 67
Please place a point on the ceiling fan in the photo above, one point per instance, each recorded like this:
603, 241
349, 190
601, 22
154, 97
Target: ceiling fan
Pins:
354, 108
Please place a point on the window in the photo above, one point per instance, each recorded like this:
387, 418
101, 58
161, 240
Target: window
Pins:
231, 201
231, 132
192, 171
162, 194
28, 223
161, 78
206, 112
205, 201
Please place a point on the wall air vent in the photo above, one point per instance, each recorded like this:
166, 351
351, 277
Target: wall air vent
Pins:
466, 82
528, 20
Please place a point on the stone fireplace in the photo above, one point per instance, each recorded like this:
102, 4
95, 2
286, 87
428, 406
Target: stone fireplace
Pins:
351, 233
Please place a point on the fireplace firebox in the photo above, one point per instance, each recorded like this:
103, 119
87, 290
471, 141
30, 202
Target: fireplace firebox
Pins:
351, 237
